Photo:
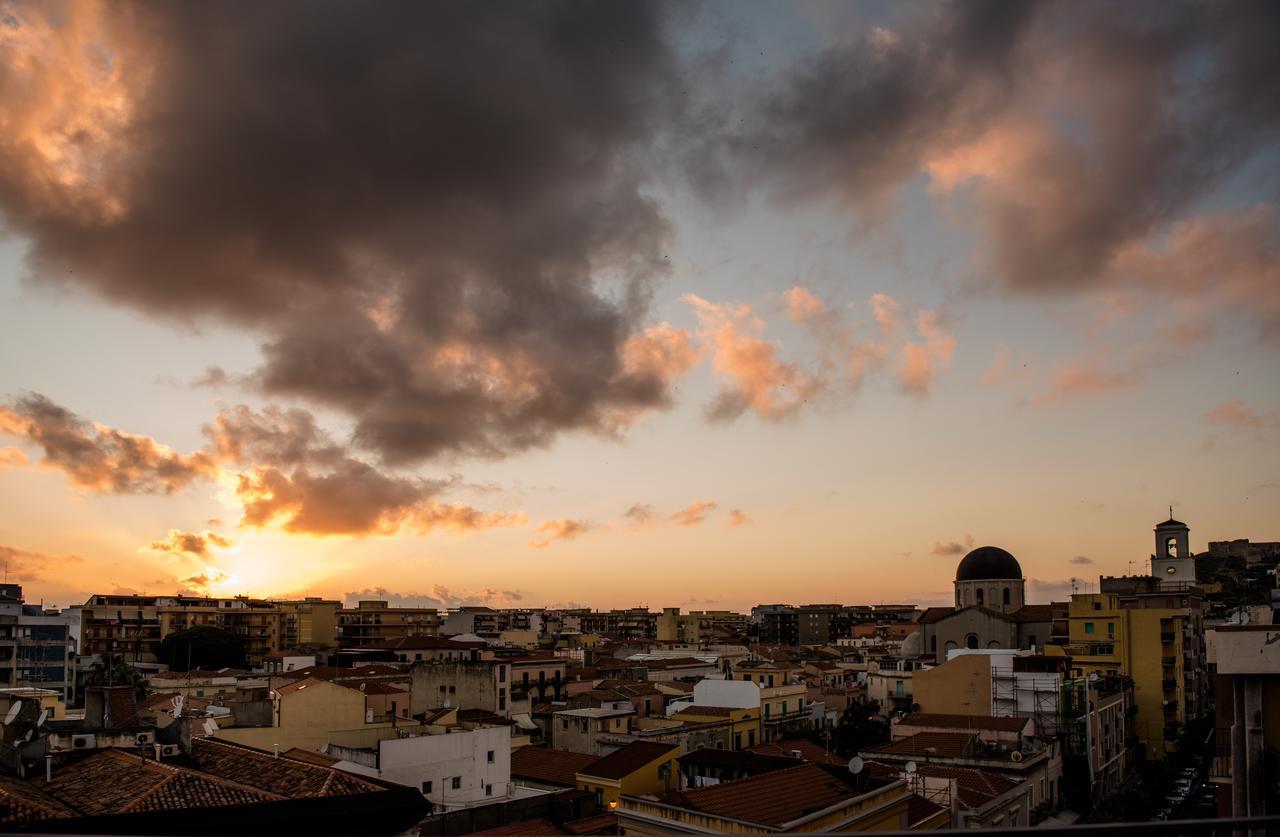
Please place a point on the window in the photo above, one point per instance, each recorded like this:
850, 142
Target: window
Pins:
898, 689
1097, 605
502, 674
489, 757
1111, 629
980, 593
1031, 640
971, 641
1006, 595
488, 790
456, 782
502, 699
564, 724
426, 788
933, 644
1088, 627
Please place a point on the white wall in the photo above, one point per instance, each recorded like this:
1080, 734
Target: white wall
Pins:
736, 694
439, 758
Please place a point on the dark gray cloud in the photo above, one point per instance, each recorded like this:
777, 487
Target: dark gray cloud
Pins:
434, 213
1074, 134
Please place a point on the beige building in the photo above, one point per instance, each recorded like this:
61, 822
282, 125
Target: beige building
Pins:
370, 622
309, 623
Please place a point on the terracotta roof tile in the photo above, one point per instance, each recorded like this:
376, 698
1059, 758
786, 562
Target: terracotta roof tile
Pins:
944, 744
809, 751
770, 799
532, 828
287, 777
599, 824
629, 759
550, 767
22, 801
920, 809
975, 788
982, 722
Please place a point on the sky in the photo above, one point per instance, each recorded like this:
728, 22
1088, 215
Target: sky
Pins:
669, 304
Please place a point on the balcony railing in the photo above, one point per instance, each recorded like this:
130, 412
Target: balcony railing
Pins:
1170, 685
1220, 764
1169, 662
1167, 636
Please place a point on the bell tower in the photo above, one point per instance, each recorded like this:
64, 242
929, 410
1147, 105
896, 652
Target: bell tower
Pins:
1172, 561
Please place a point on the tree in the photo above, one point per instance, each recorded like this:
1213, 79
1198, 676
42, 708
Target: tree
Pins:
860, 727
112, 670
203, 646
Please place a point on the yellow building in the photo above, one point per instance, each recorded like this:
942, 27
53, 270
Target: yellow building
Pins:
309, 623
310, 713
639, 768
960, 686
1147, 645
745, 730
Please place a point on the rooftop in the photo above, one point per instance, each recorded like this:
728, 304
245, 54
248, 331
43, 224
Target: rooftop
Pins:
551, 767
944, 744
809, 751
629, 759
982, 722
775, 798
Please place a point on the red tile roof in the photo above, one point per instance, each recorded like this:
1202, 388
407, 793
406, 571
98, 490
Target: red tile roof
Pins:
629, 759
982, 722
920, 809
809, 751
259, 769
944, 744
1035, 613
549, 767
933, 614
974, 788
22, 802
770, 799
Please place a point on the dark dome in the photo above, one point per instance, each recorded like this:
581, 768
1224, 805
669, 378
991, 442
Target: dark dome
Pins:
988, 562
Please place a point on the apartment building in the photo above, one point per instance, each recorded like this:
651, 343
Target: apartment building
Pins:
776, 624
1152, 646
463, 684
309, 623
37, 647
818, 624
257, 623
374, 621
699, 626
132, 627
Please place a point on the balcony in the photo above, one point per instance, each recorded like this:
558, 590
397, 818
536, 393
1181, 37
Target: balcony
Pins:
1220, 764
1170, 685
1167, 637
1168, 662
786, 717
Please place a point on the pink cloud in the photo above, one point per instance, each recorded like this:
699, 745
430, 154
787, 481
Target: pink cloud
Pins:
560, 530
694, 513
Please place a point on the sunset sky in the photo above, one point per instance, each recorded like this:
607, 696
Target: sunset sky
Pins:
627, 304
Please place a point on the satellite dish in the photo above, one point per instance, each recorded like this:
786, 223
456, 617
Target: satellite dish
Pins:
44, 716
14, 709
911, 767
855, 765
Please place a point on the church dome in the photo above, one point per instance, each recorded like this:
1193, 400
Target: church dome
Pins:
988, 562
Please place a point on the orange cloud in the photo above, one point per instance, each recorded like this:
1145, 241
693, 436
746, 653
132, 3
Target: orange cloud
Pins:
1088, 377
192, 544
100, 458
353, 498
921, 361
802, 305
737, 517
24, 566
1237, 415
1004, 370
694, 513
560, 530
641, 514
12, 457
752, 375
953, 548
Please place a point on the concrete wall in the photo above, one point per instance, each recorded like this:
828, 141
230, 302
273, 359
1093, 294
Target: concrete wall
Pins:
469, 684
479, 759
960, 686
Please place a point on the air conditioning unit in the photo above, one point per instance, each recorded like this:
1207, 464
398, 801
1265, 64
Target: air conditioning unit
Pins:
84, 742
169, 750
145, 738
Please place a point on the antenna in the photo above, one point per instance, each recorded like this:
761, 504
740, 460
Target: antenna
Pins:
911, 767
14, 709
855, 765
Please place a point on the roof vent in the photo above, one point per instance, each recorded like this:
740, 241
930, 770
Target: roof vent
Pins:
795, 754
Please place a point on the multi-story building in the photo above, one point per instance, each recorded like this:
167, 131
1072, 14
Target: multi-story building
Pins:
1246, 659
371, 622
631, 623
776, 624
37, 648
1153, 646
699, 626
257, 623
124, 626
815, 622
309, 623
462, 684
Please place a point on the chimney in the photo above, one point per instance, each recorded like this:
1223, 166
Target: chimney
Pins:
796, 754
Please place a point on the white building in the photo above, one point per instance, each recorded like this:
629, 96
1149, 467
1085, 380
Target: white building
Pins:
460, 769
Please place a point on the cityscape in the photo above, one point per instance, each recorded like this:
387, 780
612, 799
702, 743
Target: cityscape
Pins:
545, 417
